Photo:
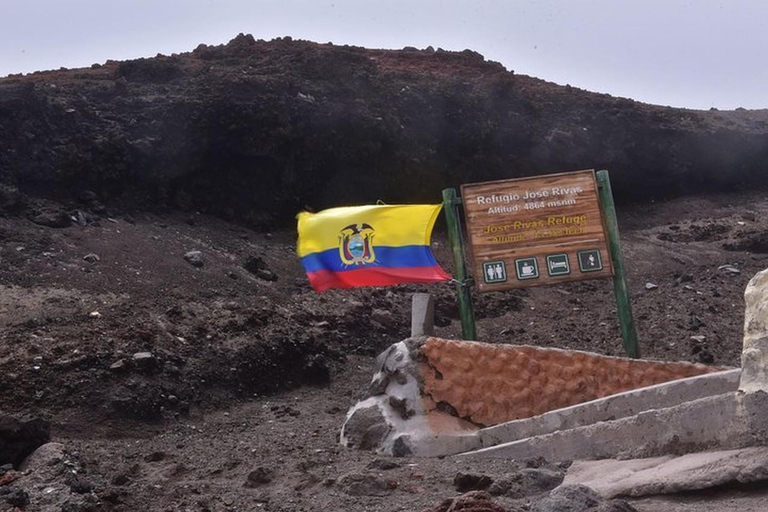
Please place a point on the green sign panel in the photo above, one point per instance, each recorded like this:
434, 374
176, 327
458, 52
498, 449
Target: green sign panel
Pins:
526, 268
494, 272
558, 265
589, 260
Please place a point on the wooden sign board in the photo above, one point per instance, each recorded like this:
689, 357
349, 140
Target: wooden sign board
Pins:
536, 231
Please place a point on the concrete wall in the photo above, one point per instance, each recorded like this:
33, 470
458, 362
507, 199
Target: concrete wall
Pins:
614, 407
731, 420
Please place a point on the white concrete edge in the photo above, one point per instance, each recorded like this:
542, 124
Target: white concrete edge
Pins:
713, 421
620, 405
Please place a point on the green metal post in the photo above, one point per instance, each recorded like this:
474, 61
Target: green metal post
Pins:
627, 322
463, 293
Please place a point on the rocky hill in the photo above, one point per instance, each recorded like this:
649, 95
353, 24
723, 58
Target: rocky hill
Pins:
256, 130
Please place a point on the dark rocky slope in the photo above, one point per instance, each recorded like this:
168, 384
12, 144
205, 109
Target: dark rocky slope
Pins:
256, 130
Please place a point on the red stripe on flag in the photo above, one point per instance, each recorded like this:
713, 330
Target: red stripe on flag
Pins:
376, 276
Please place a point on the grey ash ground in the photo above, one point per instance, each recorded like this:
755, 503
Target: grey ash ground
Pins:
178, 387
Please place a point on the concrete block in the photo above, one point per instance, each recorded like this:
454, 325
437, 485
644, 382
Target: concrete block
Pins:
754, 360
422, 315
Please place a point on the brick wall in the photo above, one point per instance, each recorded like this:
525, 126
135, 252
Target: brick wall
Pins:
490, 384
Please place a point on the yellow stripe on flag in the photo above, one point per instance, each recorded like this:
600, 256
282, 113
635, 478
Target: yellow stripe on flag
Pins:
393, 225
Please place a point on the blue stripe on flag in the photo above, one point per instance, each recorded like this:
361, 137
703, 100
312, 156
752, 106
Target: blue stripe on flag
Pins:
402, 256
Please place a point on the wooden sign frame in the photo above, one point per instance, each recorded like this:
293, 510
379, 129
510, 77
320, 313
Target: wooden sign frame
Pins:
536, 231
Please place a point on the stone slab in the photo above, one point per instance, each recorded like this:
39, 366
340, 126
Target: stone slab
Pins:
670, 474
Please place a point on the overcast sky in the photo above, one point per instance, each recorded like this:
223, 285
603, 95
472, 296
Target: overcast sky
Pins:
683, 53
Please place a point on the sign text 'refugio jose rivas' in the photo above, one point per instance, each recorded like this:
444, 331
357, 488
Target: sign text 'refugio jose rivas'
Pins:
536, 231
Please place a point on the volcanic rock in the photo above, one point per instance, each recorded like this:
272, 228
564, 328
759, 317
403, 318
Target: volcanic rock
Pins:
526, 482
119, 366
366, 428
471, 482
52, 218
144, 361
570, 498
20, 437
364, 484
17, 498
195, 258
259, 476
258, 267
45, 456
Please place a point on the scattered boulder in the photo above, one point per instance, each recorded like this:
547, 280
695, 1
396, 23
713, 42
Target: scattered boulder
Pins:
366, 428
92, 258
79, 484
569, 498
195, 258
471, 482
258, 267
259, 476
730, 269
526, 482
402, 446
383, 464
364, 484
17, 498
45, 456
383, 318
81, 218
52, 218
144, 361
20, 437
119, 366
155, 457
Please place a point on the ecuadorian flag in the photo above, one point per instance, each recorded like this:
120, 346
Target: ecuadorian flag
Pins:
375, 245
